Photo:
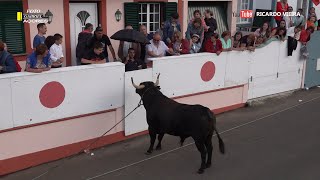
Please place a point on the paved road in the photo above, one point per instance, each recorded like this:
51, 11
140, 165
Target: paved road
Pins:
277, 139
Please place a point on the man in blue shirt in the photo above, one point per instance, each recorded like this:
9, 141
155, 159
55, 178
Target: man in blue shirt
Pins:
40, 38
7, 64
170, 26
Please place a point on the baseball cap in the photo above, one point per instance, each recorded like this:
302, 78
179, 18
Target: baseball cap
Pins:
196, 35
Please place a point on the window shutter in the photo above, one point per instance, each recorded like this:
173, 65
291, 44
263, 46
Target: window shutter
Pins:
131, 14
11, 30
170, 8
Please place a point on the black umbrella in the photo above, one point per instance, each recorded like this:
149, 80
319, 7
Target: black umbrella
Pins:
130, 35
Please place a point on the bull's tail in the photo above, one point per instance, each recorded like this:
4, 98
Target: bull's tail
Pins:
221, 143
213, 118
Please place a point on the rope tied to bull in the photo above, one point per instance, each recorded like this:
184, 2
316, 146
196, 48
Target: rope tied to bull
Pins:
86, 150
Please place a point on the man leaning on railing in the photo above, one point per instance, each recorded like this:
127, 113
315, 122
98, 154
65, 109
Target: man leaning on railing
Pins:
7, 64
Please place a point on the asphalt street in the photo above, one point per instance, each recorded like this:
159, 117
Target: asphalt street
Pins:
275, 138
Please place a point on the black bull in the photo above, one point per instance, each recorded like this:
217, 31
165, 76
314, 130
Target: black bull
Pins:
166, 116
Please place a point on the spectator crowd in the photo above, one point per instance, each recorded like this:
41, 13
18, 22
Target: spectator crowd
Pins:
200, 36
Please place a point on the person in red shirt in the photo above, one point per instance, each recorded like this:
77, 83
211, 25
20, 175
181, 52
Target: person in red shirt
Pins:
282, 6
305, 35
312, 22
213, 44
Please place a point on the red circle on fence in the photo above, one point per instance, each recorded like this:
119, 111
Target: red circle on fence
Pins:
208, 71
52, 94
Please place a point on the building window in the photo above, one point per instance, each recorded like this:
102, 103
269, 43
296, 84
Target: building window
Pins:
11, 30
244, 5
149, 14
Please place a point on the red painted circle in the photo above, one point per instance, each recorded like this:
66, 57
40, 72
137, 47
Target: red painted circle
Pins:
207, 71
52, 94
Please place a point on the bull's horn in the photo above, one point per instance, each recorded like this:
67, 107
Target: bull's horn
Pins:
136, 86
157, 82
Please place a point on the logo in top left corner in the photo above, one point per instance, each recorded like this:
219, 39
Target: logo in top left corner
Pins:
32, 16
19, 16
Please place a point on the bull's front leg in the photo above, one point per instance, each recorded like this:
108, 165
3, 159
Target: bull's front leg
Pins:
153, 136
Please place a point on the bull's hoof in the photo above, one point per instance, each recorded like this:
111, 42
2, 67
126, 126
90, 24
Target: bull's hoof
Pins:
208, 165
148, 152
200, 171
158, 148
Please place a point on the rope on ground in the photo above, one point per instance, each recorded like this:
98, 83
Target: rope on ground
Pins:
86, 150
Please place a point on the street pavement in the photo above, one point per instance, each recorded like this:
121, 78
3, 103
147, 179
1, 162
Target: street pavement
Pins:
274, 139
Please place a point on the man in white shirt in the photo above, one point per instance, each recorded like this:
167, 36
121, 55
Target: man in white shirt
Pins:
299, 20
294, 32
56, 53
157, 48
289, 19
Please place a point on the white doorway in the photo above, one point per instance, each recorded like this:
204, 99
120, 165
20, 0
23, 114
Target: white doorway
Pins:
80, 14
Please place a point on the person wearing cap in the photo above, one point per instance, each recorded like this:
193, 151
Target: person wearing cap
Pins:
104, 39
195, 46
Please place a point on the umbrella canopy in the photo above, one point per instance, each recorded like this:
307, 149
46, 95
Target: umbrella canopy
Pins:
130, 35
